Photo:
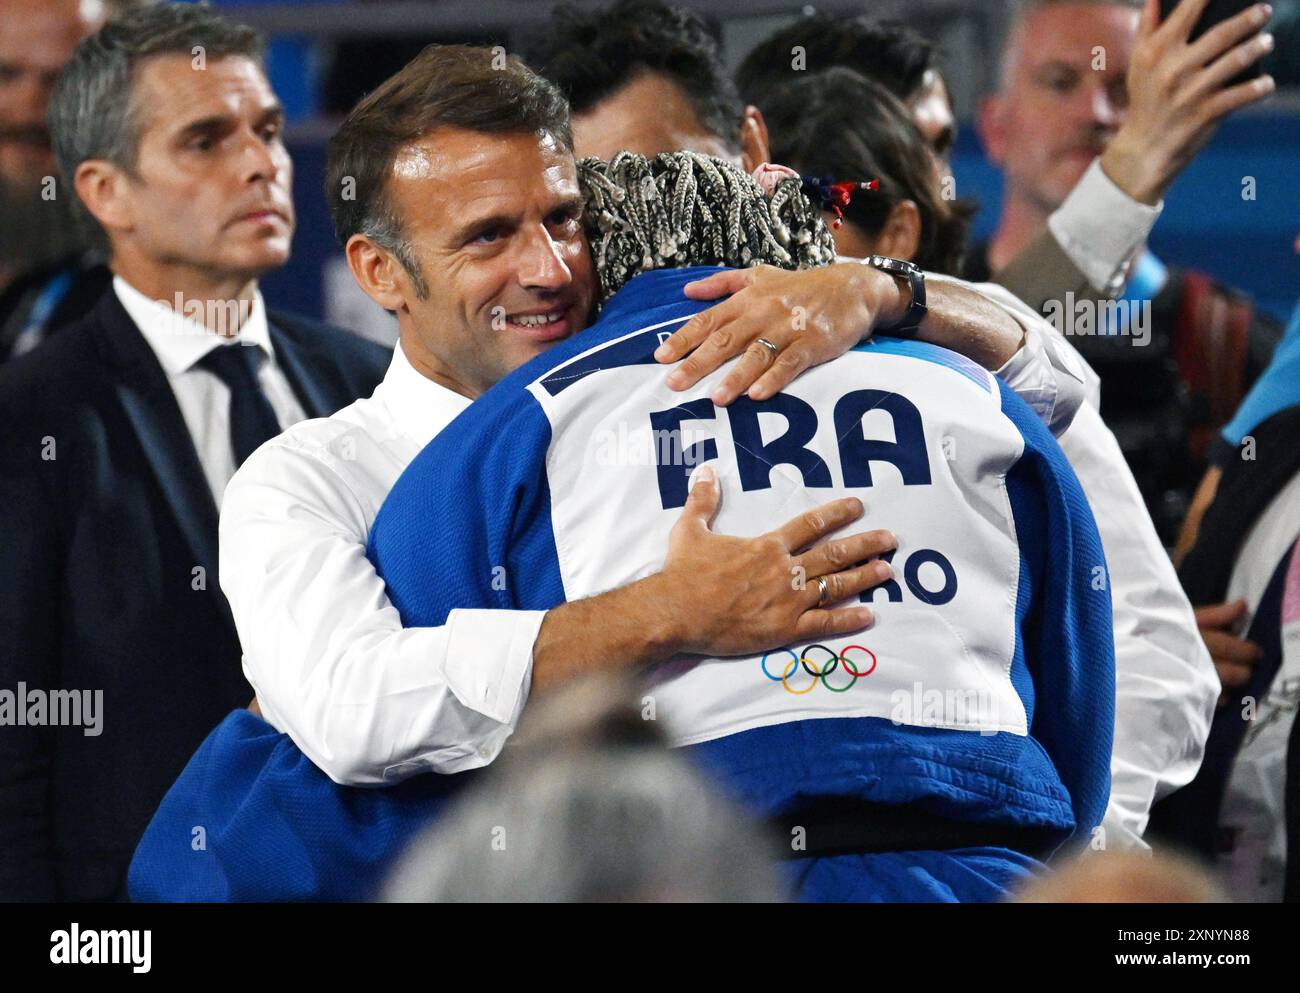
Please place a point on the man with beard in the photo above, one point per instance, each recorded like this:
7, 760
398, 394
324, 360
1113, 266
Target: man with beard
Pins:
47, 277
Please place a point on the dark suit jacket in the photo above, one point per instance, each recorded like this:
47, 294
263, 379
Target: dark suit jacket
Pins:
108, 582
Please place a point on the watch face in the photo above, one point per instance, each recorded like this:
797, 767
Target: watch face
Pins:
893, 265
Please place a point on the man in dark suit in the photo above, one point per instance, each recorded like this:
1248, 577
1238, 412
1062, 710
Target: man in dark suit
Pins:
117, 650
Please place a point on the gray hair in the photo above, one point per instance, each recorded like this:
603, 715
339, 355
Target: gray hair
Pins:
588, 804
92, 111
686, 209
615, 824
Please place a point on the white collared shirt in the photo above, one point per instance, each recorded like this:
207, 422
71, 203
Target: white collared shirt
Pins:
367, 700
179, 343
1165, 682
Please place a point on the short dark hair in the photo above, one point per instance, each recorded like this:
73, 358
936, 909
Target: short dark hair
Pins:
478, 89
889, 52
591, 54
878, 140
92, 110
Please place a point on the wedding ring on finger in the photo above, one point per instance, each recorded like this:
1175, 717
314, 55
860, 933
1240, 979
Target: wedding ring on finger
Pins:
824, 589
772, 348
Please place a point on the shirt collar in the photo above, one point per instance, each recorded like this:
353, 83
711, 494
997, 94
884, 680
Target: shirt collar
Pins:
180, 341
419, 407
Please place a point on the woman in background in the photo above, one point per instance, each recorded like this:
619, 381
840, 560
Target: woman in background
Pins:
840, 126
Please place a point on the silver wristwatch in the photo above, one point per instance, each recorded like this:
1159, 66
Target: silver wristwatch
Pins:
910, 322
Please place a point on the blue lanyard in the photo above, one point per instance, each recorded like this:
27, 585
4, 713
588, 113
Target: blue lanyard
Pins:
33, 329
1148, 279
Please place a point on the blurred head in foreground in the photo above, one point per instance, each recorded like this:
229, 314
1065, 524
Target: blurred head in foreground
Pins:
587, 805
1125, 877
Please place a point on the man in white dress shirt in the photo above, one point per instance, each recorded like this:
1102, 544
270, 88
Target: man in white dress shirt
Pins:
464, 219
122, 431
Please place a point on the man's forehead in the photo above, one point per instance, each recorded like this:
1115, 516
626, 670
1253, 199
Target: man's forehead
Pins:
1071, 33
174, 90
476, 163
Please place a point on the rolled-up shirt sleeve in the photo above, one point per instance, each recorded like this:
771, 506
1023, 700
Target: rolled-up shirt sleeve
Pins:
1046, 373
368, 701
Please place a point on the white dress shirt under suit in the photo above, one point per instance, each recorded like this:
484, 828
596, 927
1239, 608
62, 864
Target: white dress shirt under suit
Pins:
1101, 228
180, 343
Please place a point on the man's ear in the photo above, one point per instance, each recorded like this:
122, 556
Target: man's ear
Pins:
754, 147
990, 125
377, 272
102, 188
900, 238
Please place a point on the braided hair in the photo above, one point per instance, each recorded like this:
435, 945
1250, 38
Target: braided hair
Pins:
686, 209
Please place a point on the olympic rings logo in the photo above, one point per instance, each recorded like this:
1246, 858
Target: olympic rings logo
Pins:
820, 671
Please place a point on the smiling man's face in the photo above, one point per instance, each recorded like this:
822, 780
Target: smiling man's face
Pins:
495, 226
